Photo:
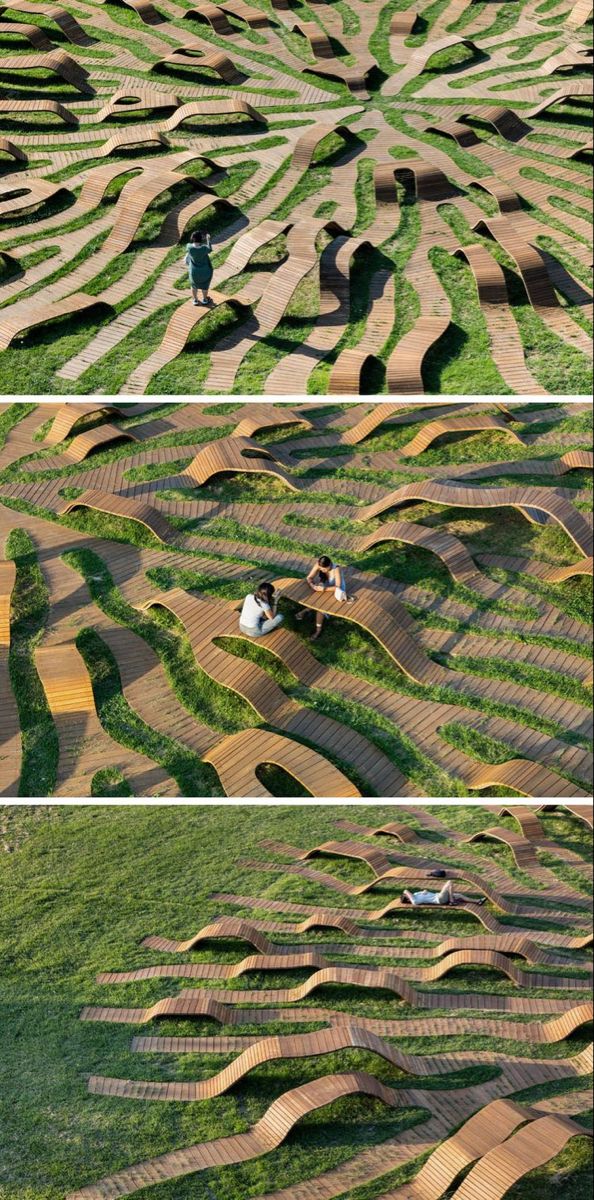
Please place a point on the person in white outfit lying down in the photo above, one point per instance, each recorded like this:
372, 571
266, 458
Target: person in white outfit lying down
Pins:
259, 611
447, 895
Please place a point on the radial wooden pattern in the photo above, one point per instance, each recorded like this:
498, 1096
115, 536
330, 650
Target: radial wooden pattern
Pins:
208, 80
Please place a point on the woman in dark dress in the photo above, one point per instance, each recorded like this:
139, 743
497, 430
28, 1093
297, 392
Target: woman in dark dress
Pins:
199, 266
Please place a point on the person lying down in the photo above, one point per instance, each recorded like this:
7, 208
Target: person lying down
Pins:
447, 895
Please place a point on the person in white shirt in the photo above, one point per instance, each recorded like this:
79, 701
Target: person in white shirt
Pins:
258, 614
447, 895
323, 575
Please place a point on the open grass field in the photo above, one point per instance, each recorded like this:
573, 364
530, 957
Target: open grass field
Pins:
130, 536
81, 887
398, 195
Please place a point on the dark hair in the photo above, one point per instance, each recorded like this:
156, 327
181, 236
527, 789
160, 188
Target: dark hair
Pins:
404, 898
325, 562
264, 593
198, 237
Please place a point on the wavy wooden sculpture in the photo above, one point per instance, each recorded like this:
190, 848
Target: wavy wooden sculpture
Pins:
120, 506
191, 54
197, 1002
210, 14
581, 811
95, 439
237, 757
406, 875
15, 324
528, 1148
522, 850
55, 61
30, 33
239, 929
269, 1132
71, 413
207, 108
241, 454
63, 19
339, 1037
528, 500
22, 107
8, 147
346, 919
451, 425
304, 959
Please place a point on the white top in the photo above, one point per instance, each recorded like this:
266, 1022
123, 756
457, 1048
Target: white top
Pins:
251, 612
425, 897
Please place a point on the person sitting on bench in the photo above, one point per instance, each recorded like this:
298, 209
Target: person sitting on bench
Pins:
323, 575
447, 895
258, 614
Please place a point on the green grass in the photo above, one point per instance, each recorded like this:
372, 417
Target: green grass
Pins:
81, 888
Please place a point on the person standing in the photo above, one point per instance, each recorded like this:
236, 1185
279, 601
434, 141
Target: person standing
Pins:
200, 270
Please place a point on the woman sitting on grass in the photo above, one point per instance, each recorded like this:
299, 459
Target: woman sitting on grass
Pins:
199, 266
447, 895
323, 575
258, 614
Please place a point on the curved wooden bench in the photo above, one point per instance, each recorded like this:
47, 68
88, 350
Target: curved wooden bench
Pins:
378, 413
581, 811
504, 121
181, 324
205, 622
8, 147
210, 14
272, 1129
206, 108
271, 1049
241, 454
240, 929
526, 499
577, 90
133, 100
462, 134
451, 425
33, 192
236, 757
522, 850
483, 1134
449, 549
429, 182
16, 323
528, 1148
319, 41
346, 919
121, 506
61, 64
198, 1002
70, 414
403, 23
22, 107
404, 370
267, 416
406, 876
304, 959
31, 33
187, 56
63, 19
254, 17
95, 439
